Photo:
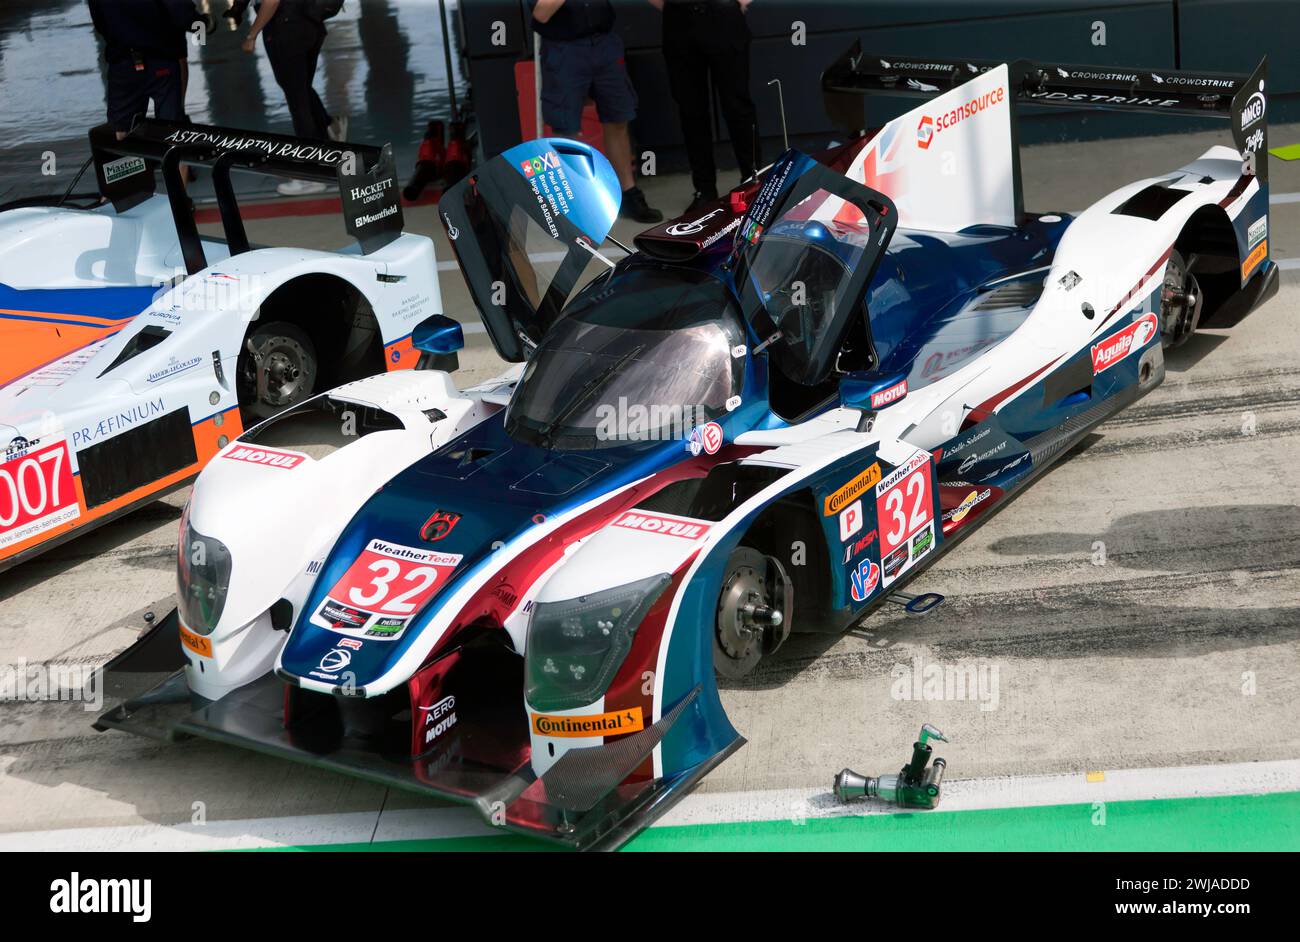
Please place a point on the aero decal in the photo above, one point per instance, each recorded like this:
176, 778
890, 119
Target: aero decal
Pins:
1117, 346
599, 724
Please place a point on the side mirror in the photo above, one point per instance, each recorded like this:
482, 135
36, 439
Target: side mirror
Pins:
872, 391
438, 335
438, 338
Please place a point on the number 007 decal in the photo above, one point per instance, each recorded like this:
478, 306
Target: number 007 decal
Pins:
905, 512
36, 493
383, 589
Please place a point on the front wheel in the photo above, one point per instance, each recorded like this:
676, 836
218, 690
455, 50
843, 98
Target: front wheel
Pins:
277, 369
1180, 302
753, 614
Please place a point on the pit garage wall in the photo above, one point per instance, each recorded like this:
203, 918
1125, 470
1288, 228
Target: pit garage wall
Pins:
1213, 35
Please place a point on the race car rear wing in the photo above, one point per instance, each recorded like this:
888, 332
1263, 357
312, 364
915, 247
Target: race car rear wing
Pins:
366, 176
1238, 97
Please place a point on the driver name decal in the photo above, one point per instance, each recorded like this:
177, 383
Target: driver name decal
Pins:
383, 589
545, 173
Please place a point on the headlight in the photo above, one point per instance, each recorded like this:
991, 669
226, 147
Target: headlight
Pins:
575, 647
202, 578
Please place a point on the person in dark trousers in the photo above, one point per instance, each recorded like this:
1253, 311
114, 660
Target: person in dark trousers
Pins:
293, 37
145, 48
707, 40
582, 57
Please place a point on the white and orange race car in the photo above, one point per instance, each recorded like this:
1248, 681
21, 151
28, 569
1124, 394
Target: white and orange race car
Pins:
132, 349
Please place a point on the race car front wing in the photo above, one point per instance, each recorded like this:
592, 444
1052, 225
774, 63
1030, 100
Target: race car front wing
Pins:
591, 799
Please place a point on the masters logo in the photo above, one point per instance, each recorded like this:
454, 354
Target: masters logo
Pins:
595, 724
851, 491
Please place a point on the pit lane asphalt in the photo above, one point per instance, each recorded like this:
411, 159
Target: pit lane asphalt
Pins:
1181, 649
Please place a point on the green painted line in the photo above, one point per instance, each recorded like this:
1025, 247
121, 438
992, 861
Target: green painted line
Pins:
1233, 823
1289, 152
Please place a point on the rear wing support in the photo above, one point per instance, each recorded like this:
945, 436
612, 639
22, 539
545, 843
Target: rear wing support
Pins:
366, 176
1238, 97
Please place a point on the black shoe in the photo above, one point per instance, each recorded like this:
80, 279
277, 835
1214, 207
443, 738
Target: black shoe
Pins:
700, 200
635, 207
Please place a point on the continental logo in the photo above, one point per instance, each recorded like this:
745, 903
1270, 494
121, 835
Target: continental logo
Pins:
1252, 261
197, 643
853, 490
596, 724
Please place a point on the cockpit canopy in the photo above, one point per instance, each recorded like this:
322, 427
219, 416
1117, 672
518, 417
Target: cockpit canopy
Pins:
645, 352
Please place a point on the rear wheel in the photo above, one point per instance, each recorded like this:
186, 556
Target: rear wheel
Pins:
1180, 302
277, 369
753, 614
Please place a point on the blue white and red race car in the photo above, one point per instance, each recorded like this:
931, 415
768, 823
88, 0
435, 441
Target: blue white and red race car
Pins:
769, 418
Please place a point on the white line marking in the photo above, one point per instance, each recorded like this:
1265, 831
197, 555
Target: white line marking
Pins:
1287, 264
1243, 778
1275, 199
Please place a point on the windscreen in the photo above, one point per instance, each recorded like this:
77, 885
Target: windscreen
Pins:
523, 227
804, 257
646, 353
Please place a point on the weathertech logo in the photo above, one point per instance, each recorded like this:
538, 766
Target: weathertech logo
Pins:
1116, 347
265, 456
597, 724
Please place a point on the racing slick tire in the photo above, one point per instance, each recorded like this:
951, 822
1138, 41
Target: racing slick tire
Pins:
1180, 302
278, 368
753, 614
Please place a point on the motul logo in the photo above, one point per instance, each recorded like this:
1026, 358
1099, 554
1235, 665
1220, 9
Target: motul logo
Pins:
668, 526
1116, 347
889, 395
274, 459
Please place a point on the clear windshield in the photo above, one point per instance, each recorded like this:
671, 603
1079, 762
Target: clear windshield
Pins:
646, 353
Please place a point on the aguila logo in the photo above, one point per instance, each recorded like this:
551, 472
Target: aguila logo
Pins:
439, 525
1119, 345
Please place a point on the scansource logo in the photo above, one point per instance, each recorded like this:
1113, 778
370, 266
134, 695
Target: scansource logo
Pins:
929, 127
925, 132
